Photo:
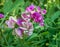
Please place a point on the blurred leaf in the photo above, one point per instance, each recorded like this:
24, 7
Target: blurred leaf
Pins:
55, 15
38, 42
49, 12
57, 3
32, 36
8, 7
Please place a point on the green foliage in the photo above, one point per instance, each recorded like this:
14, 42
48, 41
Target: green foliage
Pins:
55, 16
9, 6
47, 36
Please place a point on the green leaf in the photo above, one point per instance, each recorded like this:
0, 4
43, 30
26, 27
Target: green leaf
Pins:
32, 36
9, 7
55, 15
57, 3
49, 12
17, 3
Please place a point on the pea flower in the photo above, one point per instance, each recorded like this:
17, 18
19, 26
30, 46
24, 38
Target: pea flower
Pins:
19, 32
11, 22
38, 18
1, 15
36, 14
43, 11
19, 21
30, 8
25, 27
26, 17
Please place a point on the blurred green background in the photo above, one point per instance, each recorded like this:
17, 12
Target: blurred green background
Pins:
47, 36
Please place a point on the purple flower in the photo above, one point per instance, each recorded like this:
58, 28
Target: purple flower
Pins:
11, 22
19, 22
27, 28
37, 17
25, 17
38, 9
19, 32
41, 24
30, 31
43, 11
30, 8
1, 15
36, 14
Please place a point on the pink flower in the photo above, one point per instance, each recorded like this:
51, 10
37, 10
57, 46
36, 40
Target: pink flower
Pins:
36, 14
37, 17
19, 32
26, 16
19, 21
11, 22
1, 15
38, 9
25, 28
43, 11
30, 8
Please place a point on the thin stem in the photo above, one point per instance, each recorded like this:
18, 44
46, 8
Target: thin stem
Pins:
3, 20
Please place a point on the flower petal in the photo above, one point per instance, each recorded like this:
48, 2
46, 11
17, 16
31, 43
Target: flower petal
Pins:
30, 8
10, 24
19, 32
25, 17
43, 11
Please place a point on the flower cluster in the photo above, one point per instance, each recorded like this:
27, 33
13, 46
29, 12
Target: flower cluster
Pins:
24, 27
24, 23
36, 14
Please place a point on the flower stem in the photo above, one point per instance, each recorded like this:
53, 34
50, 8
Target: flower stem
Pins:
3, 20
